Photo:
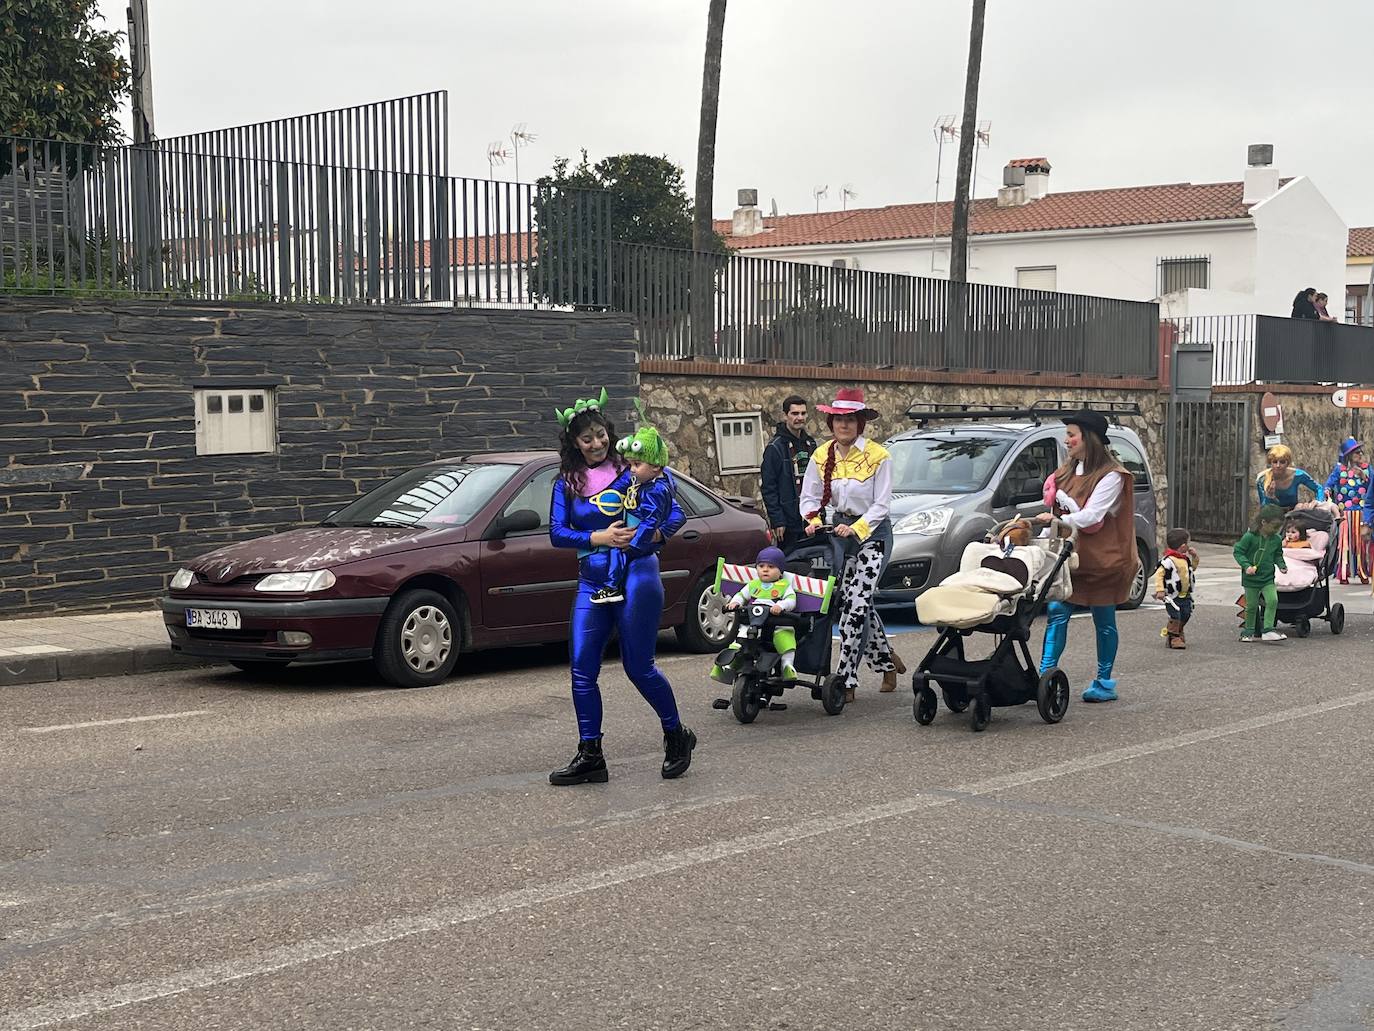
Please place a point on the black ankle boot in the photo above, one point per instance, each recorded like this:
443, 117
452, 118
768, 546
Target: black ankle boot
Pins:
677, 751
587, 767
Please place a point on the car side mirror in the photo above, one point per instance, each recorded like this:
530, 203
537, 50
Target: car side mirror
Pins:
520, 521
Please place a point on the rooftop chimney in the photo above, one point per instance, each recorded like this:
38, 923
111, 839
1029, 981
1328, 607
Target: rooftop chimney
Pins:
1261, 177
747, 219
1024, 180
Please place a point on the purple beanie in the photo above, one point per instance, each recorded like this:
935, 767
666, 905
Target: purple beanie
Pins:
773, 556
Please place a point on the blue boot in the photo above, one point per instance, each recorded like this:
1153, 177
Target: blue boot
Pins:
1100, 691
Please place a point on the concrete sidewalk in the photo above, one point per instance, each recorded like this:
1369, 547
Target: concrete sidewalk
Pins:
108, 644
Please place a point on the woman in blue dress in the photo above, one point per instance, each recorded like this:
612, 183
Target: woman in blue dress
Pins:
1278, 484
586, 512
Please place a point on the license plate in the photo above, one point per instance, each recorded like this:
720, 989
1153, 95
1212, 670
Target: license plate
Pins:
214, 619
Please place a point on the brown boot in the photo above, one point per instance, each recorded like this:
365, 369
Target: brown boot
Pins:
890, 677
1175, 632
848, 694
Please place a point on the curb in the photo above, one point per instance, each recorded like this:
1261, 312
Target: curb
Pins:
90, 665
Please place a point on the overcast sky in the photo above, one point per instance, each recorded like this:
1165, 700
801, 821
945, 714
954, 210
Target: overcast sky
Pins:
813, 92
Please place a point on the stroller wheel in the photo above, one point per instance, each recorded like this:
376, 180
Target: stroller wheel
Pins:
1052, 696
924, 707
982, 713
1337, 618
1303, 628
955, 701
744, 700
832, 695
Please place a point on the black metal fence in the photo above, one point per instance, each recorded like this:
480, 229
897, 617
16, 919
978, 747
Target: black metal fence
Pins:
76, 218
404, 134
1274, 349
749, 309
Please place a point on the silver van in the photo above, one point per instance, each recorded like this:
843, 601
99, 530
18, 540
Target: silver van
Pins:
963, 469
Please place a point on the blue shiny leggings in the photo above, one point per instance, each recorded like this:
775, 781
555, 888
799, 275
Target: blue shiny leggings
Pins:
1057, 635
636, 619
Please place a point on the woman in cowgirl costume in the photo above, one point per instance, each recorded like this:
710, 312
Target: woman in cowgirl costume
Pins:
850, 478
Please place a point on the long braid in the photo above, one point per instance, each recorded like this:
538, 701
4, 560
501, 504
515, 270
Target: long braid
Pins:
827, 472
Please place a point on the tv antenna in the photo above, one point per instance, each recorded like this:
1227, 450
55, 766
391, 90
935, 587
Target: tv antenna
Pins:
496, 155
818, 192
847, 194
945, 128
773, 203
520, 137
982, 139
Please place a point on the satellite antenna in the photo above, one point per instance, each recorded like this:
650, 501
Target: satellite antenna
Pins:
818, 192
773, 201
520, 137
945, 128
496, 155
847, 193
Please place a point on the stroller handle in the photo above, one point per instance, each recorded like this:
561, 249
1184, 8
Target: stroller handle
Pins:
1058, 530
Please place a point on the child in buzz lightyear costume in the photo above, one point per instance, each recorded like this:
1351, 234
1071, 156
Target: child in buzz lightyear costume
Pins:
649, 501
769, 585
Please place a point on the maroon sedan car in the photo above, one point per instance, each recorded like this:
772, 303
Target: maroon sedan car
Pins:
448, 557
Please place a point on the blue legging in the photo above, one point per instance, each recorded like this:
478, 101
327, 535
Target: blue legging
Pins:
1057, 635
636, 619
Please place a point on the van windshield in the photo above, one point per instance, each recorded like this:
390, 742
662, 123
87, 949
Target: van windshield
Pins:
952, 464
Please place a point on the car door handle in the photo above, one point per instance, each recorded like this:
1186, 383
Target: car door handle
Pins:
691, 535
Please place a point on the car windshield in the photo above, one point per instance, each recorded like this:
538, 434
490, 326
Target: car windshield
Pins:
945, 464
433, 495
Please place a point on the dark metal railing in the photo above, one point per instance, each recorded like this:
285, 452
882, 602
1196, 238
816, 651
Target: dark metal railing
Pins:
404, 134
74, 217
750, 309
1275, 349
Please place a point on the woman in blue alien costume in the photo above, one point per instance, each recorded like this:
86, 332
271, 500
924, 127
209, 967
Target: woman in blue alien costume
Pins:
586, 512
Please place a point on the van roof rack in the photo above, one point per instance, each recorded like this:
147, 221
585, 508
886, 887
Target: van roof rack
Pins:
1045, 408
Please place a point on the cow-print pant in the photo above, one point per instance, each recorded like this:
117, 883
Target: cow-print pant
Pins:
862, 635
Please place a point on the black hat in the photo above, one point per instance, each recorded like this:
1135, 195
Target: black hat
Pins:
1089, 422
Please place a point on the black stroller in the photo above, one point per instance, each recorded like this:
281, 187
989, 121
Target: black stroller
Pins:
1298, 608
1009, 676
754, 665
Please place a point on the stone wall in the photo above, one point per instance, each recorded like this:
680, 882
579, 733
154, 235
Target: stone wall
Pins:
681, 400
101, 490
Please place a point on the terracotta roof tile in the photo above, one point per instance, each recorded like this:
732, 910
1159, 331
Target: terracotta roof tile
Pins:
1085, 209
1042, 164
1361, 244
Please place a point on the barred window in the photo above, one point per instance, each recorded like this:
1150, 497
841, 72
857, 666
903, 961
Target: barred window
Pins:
1183, 274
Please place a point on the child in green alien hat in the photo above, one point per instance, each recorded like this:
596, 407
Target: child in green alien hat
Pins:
648, 503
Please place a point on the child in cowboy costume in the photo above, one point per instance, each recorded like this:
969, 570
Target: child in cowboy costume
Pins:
1174, 586
649, 500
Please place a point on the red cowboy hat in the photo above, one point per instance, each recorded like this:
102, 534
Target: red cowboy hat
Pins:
849, 401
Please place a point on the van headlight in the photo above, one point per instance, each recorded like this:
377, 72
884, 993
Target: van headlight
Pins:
182, 579
931, 521
296, 583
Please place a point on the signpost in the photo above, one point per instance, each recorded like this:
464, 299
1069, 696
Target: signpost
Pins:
1353, 397
1271, 416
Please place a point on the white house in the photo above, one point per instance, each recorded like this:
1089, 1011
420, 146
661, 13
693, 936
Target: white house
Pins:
1359, 267
1209, 248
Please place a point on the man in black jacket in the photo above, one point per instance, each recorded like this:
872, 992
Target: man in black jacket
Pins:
784, 463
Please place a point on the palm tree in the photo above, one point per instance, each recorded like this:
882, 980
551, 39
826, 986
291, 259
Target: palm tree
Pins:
968, 137
703, 236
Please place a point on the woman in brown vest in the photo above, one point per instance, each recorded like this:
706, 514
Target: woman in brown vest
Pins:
1092, 493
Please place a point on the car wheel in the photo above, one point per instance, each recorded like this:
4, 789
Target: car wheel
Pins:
708, 626
417, 641
1141, 583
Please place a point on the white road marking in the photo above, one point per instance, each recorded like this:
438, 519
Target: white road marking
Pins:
110, 723
386, 931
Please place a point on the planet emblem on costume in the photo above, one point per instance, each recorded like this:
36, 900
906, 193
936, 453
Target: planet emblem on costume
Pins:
608, 502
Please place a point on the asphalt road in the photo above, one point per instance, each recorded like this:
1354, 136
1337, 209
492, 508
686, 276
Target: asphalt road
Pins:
325, 853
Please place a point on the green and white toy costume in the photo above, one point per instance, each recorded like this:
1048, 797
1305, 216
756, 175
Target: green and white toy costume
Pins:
778, 592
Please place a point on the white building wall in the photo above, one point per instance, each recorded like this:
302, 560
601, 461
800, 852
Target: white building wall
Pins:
1106, 263
1301, 242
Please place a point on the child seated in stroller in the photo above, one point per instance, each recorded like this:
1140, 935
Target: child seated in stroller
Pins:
771, 585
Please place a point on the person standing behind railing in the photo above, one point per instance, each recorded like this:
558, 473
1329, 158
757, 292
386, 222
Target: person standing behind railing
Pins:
1304, 306
1319, 303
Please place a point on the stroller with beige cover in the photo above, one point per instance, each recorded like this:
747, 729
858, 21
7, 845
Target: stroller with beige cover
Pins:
1002, 585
